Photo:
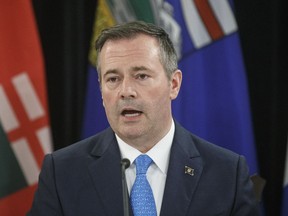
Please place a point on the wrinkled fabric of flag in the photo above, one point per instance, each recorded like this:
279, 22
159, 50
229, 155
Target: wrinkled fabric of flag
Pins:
25, 135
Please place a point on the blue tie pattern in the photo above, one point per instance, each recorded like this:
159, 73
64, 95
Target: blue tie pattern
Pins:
142, 199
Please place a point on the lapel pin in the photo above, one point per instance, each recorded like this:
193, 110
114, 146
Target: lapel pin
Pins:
189, 171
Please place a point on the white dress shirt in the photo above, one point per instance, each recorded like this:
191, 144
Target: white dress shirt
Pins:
157, 172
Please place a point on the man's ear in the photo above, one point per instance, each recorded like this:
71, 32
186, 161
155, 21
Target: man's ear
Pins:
176, 80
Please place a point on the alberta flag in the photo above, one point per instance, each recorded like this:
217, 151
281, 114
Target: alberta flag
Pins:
24, 125
213, 101
285, 190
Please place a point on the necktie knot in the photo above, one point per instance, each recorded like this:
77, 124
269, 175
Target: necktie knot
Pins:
142, 164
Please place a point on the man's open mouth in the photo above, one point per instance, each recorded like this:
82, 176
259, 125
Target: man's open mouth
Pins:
131, 113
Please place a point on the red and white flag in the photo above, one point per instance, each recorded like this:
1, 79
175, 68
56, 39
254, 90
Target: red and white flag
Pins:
24, 121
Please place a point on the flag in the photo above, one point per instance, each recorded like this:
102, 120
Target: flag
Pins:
24, 125
94, 115
285, 189
213, 101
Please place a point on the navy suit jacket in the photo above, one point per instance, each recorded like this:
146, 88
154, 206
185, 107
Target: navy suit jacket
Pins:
84, 179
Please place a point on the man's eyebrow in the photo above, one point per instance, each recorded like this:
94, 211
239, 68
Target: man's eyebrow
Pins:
133, 69
111, 71
140, 68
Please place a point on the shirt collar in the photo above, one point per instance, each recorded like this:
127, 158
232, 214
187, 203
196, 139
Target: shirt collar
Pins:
160, 153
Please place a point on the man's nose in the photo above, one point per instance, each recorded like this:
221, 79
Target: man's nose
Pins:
127, 89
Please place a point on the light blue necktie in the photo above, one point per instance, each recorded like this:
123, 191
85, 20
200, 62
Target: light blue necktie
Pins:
142, 199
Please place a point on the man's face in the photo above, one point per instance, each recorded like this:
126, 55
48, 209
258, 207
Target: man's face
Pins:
136, 91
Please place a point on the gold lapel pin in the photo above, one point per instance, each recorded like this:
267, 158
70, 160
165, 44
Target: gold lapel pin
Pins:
189, 171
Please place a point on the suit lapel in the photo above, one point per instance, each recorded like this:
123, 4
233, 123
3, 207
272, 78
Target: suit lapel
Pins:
179, 189
105, 171
180, 186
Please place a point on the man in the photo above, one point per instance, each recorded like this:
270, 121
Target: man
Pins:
138, 74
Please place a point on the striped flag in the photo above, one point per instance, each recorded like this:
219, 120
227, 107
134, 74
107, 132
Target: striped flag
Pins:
213, 101
285, 190
24, 125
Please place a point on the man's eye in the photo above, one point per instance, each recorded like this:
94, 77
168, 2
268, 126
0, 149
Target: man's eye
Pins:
112, 79
142, 76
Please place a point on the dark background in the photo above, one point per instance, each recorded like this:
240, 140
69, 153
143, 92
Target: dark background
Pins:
65, 29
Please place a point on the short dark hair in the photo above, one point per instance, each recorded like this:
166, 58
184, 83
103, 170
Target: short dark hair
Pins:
168, 56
